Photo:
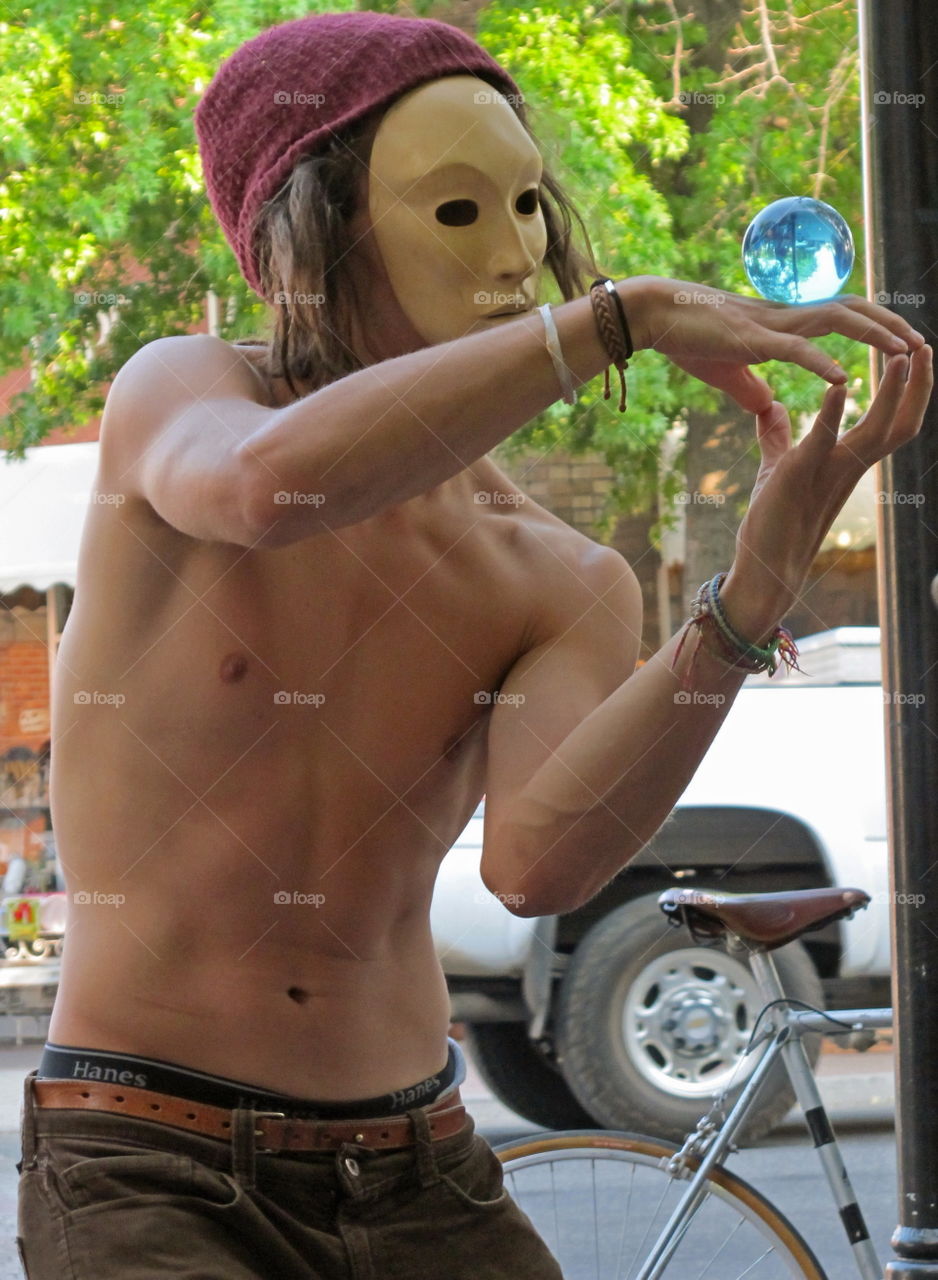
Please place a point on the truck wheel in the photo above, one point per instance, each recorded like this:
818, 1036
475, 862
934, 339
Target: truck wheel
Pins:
521, 1076
651, 1025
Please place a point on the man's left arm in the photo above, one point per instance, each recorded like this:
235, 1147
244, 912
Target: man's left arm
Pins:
588, 756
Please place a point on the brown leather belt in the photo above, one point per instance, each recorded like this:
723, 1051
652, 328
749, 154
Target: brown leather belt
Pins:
274, 1130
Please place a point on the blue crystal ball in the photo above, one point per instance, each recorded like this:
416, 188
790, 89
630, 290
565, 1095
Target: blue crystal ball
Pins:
798, 250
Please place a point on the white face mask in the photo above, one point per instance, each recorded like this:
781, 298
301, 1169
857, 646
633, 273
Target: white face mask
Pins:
452, 197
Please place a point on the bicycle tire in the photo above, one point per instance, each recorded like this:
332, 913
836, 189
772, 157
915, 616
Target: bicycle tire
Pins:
617, 1197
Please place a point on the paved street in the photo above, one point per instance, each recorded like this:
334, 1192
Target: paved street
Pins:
857, 1088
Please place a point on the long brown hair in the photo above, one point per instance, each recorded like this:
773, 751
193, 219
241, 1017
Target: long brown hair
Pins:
303, 239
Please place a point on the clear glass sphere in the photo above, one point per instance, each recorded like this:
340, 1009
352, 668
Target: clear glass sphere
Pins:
798, 250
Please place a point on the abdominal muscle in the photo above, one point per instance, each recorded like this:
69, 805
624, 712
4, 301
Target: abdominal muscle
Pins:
302, 1022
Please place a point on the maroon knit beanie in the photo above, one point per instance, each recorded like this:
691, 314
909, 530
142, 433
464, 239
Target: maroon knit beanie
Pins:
283, 94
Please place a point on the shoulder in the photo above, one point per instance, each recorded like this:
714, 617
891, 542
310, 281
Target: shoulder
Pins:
186, 365
168, 377
566, 570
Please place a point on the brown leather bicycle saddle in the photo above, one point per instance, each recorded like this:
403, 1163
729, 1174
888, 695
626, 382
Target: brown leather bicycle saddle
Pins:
766, 920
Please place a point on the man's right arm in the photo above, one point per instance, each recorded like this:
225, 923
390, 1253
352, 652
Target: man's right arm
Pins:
187, 421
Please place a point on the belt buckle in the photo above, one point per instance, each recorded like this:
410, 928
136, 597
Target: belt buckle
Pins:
259, 1115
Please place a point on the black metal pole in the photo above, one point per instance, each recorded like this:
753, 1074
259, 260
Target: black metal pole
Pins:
899, 50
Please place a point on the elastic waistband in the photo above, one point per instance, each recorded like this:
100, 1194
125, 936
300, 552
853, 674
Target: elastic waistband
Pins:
71, 1062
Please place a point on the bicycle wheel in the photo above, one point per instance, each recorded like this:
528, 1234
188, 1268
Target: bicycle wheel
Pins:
600, 1199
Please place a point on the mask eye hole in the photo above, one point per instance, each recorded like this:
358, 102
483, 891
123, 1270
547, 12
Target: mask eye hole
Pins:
457, 213
527, 201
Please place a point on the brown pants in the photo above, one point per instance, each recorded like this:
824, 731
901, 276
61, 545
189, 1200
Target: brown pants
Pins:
106, 1197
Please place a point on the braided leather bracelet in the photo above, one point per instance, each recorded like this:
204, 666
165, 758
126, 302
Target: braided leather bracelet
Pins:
613, 330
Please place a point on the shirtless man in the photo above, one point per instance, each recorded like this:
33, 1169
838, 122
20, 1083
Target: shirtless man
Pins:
250, 836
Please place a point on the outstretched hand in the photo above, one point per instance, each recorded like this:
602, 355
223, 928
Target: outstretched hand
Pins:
799, 489
715, 336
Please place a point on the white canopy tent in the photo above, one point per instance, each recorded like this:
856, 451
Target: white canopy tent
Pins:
43, 502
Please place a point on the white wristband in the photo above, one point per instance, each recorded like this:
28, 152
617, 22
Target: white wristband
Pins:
564, 376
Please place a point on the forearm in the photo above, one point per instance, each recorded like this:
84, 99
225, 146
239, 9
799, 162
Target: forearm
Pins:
399, 428
604, 792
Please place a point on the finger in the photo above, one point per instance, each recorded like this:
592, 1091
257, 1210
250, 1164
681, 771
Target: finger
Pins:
773, 431
915, 397
868, 441
826, 426
768, 345
857, 318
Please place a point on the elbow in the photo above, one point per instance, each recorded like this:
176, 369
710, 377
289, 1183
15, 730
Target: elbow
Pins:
522, 894
276, 509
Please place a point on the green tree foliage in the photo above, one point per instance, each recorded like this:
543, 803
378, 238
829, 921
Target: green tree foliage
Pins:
670, 131
104, 224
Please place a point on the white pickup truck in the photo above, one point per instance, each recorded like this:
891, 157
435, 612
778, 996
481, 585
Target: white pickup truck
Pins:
609, 1017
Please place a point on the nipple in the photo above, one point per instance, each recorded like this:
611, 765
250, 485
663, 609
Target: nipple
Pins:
233, 667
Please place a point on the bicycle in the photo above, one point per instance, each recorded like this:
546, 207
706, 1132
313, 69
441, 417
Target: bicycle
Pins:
638, 1208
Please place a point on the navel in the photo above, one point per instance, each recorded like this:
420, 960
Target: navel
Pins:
233, 667
298, 994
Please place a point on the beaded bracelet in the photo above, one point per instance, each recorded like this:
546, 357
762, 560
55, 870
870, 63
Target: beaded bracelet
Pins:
731, 648
613, 330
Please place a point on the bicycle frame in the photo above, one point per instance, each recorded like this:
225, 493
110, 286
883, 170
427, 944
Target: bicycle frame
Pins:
788, 1027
